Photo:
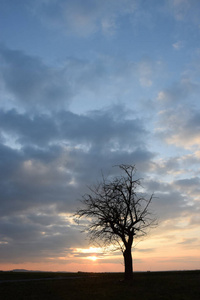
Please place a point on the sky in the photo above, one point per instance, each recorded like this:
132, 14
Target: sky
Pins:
84, 86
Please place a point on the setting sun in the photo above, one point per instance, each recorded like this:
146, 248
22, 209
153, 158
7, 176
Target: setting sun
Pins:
93, 258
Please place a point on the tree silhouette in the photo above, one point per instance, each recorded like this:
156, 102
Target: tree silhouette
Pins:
118, 212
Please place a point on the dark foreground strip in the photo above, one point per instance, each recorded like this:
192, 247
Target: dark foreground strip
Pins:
39, 279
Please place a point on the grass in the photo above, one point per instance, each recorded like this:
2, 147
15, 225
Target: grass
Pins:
182, 285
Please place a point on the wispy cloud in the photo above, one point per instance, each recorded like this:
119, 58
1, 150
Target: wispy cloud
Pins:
178, 45
83, 19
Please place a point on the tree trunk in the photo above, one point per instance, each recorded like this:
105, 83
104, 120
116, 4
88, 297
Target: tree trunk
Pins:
128, 264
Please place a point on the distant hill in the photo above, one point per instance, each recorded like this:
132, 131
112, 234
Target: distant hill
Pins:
36, 271
23, 270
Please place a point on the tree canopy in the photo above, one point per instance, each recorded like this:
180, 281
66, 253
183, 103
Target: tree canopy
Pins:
118, 212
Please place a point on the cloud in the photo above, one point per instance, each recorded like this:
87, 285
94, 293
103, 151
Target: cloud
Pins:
169, 205
195, 219
83, 19
184, 10
39, 247
101, 128
48, 160
178, 116
188, 241
178, 45
176, 201
179, 8
179, 92
30, 83
190, 187
49, 170
185, 131
146, 73
187, 183
146, 250
37, 130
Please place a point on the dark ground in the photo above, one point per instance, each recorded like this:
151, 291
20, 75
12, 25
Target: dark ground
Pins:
183, 285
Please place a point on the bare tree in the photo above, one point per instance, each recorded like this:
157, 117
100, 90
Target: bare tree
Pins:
118, 212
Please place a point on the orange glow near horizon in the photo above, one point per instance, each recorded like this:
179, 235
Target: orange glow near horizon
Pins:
93, 264
150, 255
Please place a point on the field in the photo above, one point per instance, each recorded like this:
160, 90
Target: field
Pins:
182, 285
